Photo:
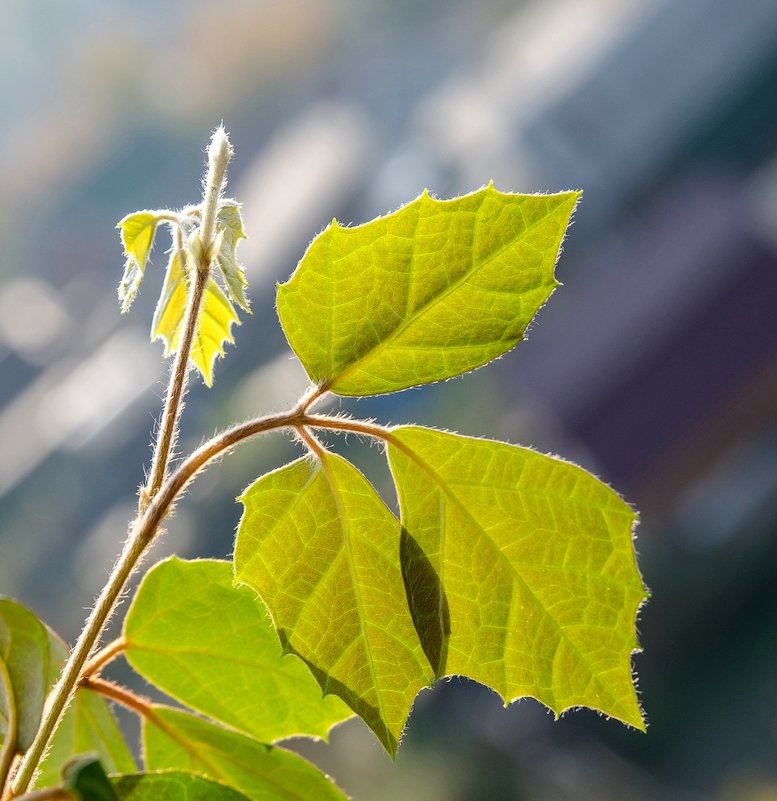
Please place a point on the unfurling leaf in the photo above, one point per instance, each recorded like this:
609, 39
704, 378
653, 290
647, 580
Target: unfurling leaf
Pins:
24, 649
537, 588
426, 293
230, 222
211, 646
214, 326
137, 236
172, 786
177, 740
321, 548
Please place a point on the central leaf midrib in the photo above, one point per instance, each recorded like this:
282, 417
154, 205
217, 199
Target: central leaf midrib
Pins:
433, 301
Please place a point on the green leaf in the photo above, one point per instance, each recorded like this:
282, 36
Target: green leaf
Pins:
173, 739
520, 571
322, 550
137, 236
214, 326
87, 726
429, 292
172, 786
231, 224
24, 648
211, 646
7, 722
86, 779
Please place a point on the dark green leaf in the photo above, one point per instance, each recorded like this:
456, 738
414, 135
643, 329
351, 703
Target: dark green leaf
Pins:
520, 571
321, 548
24, 648
428, 292
211, 646
173, 739
172, 786
85, 777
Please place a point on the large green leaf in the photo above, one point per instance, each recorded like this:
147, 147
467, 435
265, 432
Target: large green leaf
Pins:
214, 327
137, 236
520, 570
24, 648
321, 548
428, 292
211, 646
173, 739
88, 726
172, 786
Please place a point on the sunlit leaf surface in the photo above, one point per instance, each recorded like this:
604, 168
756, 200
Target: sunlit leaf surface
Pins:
428, 292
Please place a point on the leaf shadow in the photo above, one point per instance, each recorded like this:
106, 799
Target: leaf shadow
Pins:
427, 601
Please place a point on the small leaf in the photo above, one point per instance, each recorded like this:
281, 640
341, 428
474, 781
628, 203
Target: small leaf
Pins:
214, 327
87, 726
211, 646
321, 548
171, 306
86, 779
231, 224
229, 217
24, 648
172, 786
137, 236
537, 588
213, 330
429, 292
173, 739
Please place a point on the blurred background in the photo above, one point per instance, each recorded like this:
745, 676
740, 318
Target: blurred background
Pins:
655, 365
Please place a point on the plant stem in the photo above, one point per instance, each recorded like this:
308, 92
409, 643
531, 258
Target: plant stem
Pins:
123, 696
219, 153
142, 533
104, 656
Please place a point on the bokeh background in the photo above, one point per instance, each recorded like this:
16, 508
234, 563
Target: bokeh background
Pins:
655, 365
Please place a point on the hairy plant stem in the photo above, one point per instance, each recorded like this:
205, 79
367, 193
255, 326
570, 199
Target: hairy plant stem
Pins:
103, 657
168, 428
140, 536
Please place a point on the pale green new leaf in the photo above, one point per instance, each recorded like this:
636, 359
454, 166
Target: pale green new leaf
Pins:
173, 739
214, 327
321, 548
172, 786
520, 571
429, 292
88, 726
231, 224
211, 646
24, 648
137, 236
